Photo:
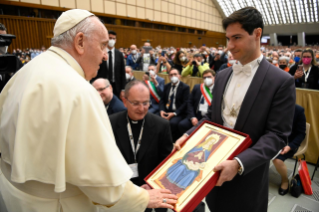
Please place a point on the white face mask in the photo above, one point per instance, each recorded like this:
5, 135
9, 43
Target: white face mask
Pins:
174, 79
205, 53
208, 82
172, 52
112, 43
134, 51
232, 62
274, 62
183, 59
152, 73
127, 76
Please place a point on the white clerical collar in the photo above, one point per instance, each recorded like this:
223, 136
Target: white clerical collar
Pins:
254, 63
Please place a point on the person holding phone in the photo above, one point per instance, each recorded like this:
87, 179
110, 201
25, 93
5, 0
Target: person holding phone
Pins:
307, 73
180, 61
164, 64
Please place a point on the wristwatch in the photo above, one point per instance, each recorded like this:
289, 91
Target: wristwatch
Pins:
240, 170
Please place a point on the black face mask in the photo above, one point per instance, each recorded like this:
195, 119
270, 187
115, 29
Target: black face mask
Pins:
282, 66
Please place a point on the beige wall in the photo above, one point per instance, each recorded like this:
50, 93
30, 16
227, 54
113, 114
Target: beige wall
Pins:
192, 13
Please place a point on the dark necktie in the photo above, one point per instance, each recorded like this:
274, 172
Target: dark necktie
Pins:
170, 108
110, 75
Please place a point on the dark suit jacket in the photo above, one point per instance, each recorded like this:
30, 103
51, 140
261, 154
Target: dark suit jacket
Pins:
193, 102
182, 95
119, 71
156, 145
115, 106
313, 77
266, 116
298, 132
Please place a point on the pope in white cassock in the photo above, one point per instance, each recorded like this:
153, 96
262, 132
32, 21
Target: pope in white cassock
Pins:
57, 145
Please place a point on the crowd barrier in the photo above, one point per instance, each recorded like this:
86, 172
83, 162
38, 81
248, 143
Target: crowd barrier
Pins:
308, 99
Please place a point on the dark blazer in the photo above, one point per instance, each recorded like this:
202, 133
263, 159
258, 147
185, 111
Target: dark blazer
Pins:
119, 71
266, 115
298, 132
115, 106
182, 95
193, 102
156, 145
312, 79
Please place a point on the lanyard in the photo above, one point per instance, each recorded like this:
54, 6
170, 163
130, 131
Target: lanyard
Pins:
306, 74
130, 133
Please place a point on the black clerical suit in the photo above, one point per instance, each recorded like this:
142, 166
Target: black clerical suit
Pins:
180, 99
156, 142
119, 72
266, 115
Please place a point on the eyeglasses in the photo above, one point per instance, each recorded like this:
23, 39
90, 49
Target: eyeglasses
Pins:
136, 104
102, 89
207, 77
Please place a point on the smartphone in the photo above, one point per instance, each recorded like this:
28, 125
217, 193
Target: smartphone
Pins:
163, 53
147, 73
194, 63
300, 67
147, 49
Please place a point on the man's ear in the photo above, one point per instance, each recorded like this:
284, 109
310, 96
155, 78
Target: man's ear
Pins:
79, 43
258, 32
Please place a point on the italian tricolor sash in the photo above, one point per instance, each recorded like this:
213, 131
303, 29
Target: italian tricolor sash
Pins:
206, 93
153, 90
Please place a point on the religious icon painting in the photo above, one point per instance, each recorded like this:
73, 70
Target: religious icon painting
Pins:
188, 173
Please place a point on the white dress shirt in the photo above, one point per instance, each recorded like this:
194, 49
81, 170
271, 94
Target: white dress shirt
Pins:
113, 63
235, 93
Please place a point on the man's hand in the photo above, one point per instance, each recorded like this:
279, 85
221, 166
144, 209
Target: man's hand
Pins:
198, 63
228, 170
178, 143
145, 77
163, 114
170, 115
157, 197
154, 80
146, 187
285, 150
194, 121
298, 74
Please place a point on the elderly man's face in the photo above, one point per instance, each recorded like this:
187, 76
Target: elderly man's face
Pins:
105, 91
128, 71
94, 50
137, 102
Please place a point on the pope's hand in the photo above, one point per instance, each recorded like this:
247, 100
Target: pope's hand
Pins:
146, 187
161, 198
228, 170
178, 143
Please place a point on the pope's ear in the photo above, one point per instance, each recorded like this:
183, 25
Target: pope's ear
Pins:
79, 43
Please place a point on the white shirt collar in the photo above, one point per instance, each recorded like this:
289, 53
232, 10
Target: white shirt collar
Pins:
110, 50
255, 62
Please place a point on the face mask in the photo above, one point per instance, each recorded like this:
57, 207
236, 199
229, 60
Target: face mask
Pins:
205, 53
297, 59
172, 52
152, 73
274, 62
306, 61
231, 62
133, 51
183, 59
111, 43
208, 82
127, 76
282, 66
174, 79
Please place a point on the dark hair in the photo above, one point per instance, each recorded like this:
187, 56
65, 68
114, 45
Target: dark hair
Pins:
209, 71
132, 84
2, 27
174, 69
111, 32
176, 59
313, 62
298, 50
249, 17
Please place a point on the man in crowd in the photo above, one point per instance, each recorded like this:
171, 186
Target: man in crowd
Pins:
143, 138
129, 74
58, 149
132, 58
196, 67
114, 68
297, 58
218, 60
146, 57
198, 102
111, 102
156, 86
244, 101
173, 104
230, 62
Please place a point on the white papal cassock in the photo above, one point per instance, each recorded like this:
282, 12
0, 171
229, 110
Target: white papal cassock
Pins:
58, 149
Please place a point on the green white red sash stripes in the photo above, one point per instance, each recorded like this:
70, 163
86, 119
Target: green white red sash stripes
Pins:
206, 93
153, 90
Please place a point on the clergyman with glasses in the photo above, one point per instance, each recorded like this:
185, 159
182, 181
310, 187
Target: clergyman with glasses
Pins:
143, 138
112, 103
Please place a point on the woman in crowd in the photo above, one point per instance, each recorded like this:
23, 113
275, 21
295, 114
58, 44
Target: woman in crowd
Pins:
283, 63
307, 74
180, 61
163, 64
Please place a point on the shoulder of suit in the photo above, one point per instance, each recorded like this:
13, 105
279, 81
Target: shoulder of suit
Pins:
157, 119
184, 84
114, 118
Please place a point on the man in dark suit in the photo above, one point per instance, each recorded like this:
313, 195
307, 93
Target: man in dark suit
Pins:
111, 102
143, 138
173, 104
156, 86
114, 68
129, 74
256, 98
198, 102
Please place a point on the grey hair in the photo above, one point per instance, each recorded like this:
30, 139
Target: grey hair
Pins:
86, 26
130, 67
132, 84
285, 58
